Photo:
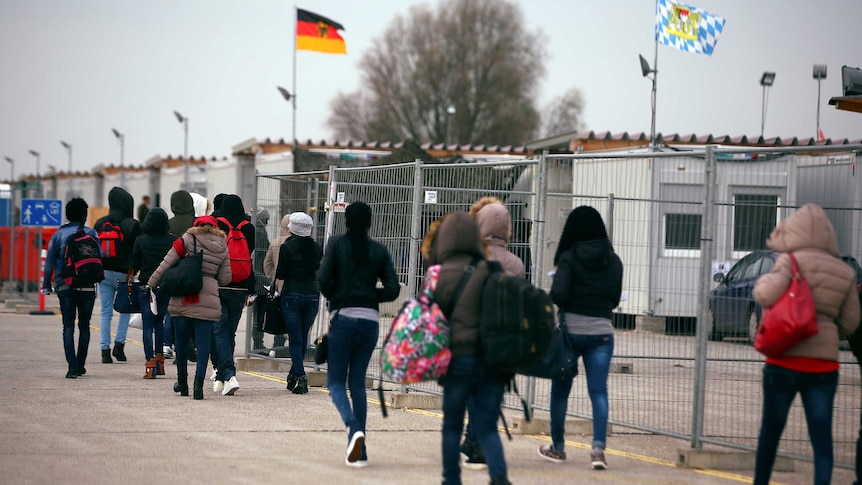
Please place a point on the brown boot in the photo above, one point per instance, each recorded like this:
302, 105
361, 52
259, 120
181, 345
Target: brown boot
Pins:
151, 366
160, 364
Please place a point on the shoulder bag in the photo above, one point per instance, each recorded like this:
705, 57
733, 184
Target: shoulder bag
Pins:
792, 319
126, 298
186, 276
273, 319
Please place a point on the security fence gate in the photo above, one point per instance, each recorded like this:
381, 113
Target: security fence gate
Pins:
681, 367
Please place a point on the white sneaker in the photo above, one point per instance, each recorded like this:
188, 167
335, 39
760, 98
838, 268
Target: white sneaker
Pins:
230, 387
218, 386
167, 351
213, 376
354, 451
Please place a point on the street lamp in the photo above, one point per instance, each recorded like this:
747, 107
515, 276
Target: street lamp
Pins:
766, 81
185, 121
68, 147
12, 224
819, 74
38, 175
122, 139
290, 98
646, 71
450, 112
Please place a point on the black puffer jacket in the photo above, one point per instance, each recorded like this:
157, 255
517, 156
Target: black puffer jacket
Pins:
453, 243
120, 212
298, 262
589, 279
346, 285
153, 244
233, 211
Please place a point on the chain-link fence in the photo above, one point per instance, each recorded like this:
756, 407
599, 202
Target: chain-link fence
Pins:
683, 364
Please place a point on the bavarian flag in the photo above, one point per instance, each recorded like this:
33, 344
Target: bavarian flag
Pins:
318, 33
686, 28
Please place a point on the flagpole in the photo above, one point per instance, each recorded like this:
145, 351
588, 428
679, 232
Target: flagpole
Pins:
653, 145
293, 98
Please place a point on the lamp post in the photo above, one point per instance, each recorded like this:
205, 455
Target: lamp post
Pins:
819, 74
38, 175
290, 98
68, 147
185, 121
450, 112
12, 224
766, 81
122, 139
646, 71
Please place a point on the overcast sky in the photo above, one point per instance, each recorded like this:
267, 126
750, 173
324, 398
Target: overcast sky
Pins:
72, 70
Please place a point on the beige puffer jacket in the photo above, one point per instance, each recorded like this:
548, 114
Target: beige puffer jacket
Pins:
809, 235
270, 262
216, 272
495, 226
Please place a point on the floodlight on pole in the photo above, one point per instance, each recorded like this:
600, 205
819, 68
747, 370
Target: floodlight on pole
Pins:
766, 80
12, 223
68, 147
646, 71
185, 121
38, 175
450, 112
819, 74
290, 98
122, 139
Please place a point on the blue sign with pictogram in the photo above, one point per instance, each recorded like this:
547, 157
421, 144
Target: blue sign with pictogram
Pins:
41, 212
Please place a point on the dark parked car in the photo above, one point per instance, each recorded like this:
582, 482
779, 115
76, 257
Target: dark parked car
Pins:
732, 309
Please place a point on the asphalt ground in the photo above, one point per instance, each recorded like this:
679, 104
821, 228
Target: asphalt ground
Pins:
112, 426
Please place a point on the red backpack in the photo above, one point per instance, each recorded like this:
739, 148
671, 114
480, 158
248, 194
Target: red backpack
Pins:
112, 240
237, 250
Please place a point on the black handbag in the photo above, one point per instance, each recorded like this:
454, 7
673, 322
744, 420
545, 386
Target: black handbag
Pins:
559, 362
186, 276
273, 319
126, 298
321, 349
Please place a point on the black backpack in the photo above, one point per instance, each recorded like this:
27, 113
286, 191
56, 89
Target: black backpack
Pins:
82, 260
516, 323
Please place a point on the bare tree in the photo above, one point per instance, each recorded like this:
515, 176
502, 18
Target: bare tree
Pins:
474, 56
564, 114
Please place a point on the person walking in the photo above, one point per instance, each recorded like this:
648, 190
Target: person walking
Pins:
196, 313
262, 282
183, 208
495, 228
455, 244
117, 234
235, 294
855, 341
298, 262
149, 251
76, 300
351, 267
270, 262
810, 368
586, 287
143, 208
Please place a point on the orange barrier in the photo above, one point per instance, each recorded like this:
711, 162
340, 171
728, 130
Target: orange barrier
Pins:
28, 240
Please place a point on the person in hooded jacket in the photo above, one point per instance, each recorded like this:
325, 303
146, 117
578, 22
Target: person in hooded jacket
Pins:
150, 249
121, 206
261, 239
270, 262
586, 287
234, 296
855, 341
352, 265
495, 228
298, 262
182, 205
198, 312
810, 368
454, 243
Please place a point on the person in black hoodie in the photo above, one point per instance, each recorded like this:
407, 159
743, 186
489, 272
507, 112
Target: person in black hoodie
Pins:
116, 259
586, 287
351, 267
233, 296
147, 254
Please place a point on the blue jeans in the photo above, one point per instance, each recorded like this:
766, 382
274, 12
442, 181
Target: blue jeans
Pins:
596, 352
299, 310
468, 377
80, 302
107, 290
202, 330
153, 325
169, 329
224, 333
780, 387
351, 343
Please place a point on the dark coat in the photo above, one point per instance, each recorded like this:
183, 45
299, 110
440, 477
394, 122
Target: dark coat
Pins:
183, 207
346, 285
298, 262
150, 248
120, 207
589, 279
233, 211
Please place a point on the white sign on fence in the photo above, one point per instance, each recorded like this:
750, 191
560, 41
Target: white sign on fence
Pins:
430, 196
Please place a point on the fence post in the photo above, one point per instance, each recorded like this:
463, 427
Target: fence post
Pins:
706, 246
609, 218
322, 311
537, 271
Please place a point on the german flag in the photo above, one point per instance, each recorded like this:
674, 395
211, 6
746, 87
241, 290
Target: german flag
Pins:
318, 33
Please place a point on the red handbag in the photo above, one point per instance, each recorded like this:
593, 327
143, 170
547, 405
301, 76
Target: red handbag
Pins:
791, 320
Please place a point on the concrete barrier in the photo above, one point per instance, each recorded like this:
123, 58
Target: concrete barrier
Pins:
579, 426
415, 400
726, 460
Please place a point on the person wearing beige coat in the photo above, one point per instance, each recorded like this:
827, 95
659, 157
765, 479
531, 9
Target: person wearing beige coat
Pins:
810, 368
197, 313
270, 263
